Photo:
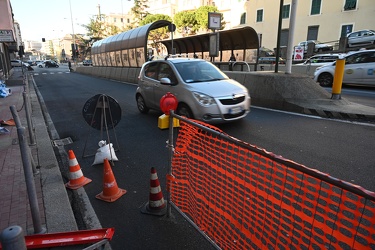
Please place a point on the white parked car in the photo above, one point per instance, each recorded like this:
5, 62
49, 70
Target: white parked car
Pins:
359, 69
319, 47
18, 63
321, 59
40, 64
203, 91
361, 37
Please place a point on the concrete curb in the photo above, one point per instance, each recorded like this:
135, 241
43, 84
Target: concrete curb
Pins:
60, 212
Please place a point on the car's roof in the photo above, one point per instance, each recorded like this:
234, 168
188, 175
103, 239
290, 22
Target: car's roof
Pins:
179, 60
333, 54
359, 51
361, 31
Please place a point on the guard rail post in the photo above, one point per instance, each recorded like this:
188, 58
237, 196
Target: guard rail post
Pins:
29, 178
171, 149
28, 117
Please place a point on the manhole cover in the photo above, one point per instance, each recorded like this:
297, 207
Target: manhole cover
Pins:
62, 142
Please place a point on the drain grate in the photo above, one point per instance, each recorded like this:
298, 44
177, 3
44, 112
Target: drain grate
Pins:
62, 142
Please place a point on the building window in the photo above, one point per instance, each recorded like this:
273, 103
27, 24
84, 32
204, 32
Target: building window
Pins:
350, 4
286, 11
315, 7
243, 18
114, 19
122, 20
259, 15
346, 29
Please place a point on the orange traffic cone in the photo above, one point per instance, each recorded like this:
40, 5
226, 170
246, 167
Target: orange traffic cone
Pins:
76, 177
156, 204
111, 192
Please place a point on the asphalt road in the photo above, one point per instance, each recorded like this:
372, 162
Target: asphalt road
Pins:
342, 149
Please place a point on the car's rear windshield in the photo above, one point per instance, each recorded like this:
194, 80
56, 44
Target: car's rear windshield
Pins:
199, 71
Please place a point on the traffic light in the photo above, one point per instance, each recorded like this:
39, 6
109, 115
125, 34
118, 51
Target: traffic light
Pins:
74, 50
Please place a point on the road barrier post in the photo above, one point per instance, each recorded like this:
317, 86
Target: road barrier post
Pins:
337, 79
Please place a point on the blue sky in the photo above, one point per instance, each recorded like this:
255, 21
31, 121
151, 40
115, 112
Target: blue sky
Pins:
51, 18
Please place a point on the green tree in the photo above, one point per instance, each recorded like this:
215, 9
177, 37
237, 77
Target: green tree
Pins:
186, 22
98, 29
158, 34
139, 12
190, 22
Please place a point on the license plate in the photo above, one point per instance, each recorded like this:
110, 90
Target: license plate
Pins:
235, 110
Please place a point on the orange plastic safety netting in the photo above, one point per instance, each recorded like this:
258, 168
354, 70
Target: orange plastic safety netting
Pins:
243, 197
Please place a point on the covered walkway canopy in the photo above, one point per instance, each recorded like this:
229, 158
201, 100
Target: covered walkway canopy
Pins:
135, 38
129, 49
235, 39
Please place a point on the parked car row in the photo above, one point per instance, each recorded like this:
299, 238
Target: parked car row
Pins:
48, 64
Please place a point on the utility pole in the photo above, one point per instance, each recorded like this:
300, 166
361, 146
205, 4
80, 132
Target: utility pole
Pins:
290, 48
74, 36
278, 36
100, 15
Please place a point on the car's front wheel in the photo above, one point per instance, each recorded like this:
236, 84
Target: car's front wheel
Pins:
184, 110
325, 80
141, 104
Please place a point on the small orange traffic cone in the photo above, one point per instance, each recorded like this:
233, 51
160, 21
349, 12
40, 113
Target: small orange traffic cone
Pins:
156, 204
111, 192
76, 177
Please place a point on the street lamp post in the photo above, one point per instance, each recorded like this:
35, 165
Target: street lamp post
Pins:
74, 37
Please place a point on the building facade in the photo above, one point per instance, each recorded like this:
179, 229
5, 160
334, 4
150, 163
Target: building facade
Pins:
323, 20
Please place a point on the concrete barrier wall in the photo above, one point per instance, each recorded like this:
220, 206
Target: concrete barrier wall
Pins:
279, 90
298, 69
267, 88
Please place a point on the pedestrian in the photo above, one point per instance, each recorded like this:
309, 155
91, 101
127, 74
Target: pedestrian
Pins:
70, 66
232, 60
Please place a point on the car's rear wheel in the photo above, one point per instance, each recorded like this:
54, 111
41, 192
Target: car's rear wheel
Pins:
141, 104
184, 110
325, 80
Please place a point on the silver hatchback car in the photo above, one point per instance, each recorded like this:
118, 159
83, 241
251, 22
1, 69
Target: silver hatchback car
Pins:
203, 91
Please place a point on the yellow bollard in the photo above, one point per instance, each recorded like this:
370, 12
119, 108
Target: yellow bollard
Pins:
337, 79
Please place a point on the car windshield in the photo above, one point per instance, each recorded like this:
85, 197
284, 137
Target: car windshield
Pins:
199, 71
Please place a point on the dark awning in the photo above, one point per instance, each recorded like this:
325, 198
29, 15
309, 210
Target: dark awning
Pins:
234, 39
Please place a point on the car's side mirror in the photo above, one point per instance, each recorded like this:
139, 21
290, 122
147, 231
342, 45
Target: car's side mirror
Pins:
165, 81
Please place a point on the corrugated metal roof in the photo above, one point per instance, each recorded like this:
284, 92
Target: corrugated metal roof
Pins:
234, 39
135, 38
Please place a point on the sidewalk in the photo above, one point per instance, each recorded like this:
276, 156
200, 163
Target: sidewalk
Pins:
56, 213
14, 204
